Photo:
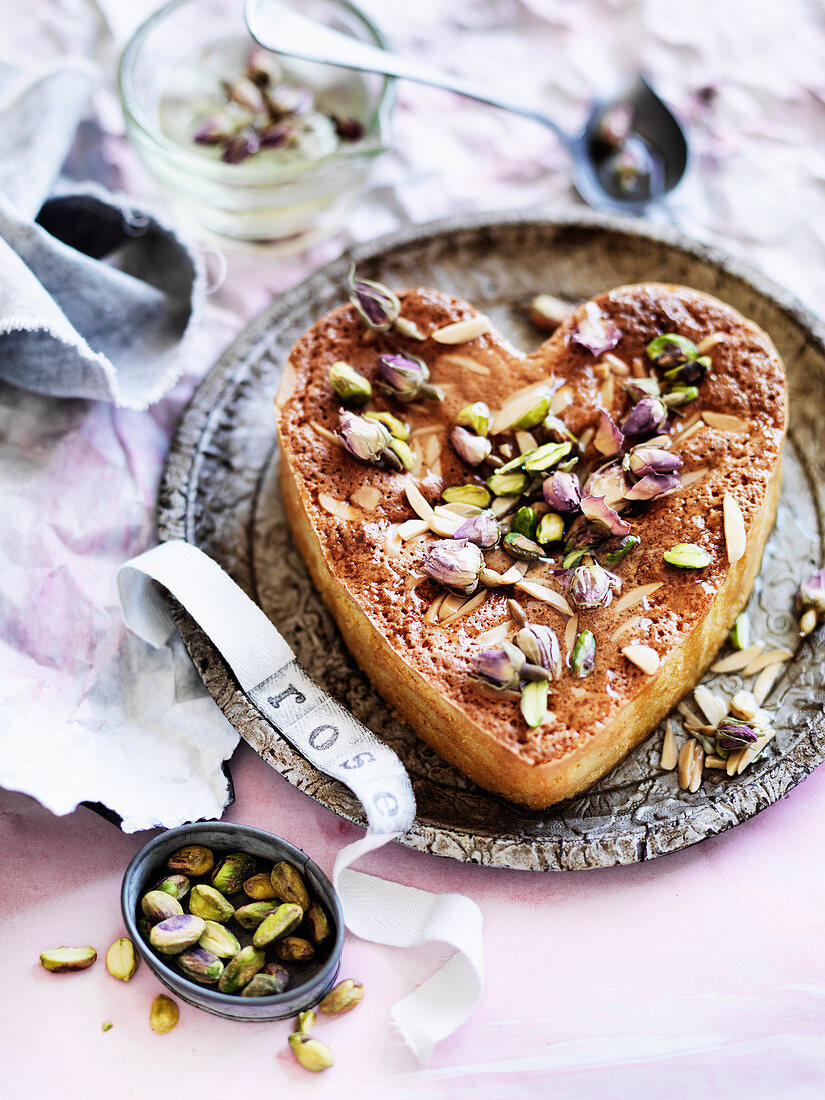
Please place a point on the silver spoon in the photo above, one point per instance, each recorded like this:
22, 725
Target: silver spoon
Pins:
631, 152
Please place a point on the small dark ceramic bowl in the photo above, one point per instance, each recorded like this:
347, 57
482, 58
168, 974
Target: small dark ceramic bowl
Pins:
149, 865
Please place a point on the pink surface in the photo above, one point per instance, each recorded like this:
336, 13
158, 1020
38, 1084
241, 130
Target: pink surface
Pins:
697, 974
701, 972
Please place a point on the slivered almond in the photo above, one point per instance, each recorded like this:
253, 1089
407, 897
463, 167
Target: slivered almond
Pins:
687, 433
525, 442
735, 538
460, 332
432, 450
468, 607
427, 429
366, 497
578, 693
734, 662
413, 528
413, 580
765, 660
435, 468
515, 572
749, 754
585, 439
690, 715
494, 635
289, 380
670, 752
570, 633
502, 505
431, 614
450, 604
546, 595
629, 625
725, 423
617, 365
515, 407
417, 501
606, 392
715, 762
392, 542
561, 400
733, 761
692, 476
461, 361
458, 508
765, 681
635, 595
445, 528
712, 706
325, 433
711, 342
691, 759
338, 508
638, 370
643, 656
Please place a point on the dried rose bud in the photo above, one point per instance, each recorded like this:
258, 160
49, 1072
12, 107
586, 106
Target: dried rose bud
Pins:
244, 144
598, 511
732, 735
540, 646
608, 482
376, 304
613, 125
632, 167
639, 388
482, 529
348, 129
366, 439
278, 135
262, 67
562, 492
455, 563
215, 131
596, 332
405, 377
608, 440
472, 449
652, 486
288, 99
500, 668
647, 418
810, 601
246, 94
591, 586
652, 460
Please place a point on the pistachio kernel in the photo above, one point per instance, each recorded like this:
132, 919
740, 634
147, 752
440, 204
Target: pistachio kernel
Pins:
351, 387
476, 417
545, 457
583, 657
164, 1014
740, 635
550, 528
521, 547
525, 522
476, 495
507, 484
685, 555
397, 428
534, 702
534, 414
402, 452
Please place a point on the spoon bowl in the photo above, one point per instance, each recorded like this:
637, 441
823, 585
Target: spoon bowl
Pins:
631, 152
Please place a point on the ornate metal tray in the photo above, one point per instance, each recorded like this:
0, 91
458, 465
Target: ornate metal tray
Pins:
219, 491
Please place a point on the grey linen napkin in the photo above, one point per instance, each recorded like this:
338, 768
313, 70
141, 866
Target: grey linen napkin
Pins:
97, 297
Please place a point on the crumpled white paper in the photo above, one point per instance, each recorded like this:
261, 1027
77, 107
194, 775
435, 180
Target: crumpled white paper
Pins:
78, 481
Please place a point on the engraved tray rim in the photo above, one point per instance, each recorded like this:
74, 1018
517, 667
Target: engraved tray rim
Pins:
176, 513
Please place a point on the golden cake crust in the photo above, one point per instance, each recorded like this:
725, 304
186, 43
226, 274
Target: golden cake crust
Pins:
424, 670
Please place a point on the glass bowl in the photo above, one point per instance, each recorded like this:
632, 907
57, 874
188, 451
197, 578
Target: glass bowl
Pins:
149, 865
178, 57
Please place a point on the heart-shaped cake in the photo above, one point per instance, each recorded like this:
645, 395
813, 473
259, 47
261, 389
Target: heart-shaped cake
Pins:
533, 557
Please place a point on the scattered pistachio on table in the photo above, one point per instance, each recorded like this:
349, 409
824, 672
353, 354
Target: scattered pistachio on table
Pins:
122, 959
164, 1014
62, 960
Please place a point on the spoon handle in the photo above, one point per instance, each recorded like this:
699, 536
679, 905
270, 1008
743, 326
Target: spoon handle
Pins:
285, 31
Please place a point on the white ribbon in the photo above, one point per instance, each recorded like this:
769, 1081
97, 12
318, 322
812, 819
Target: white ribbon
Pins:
339, 745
